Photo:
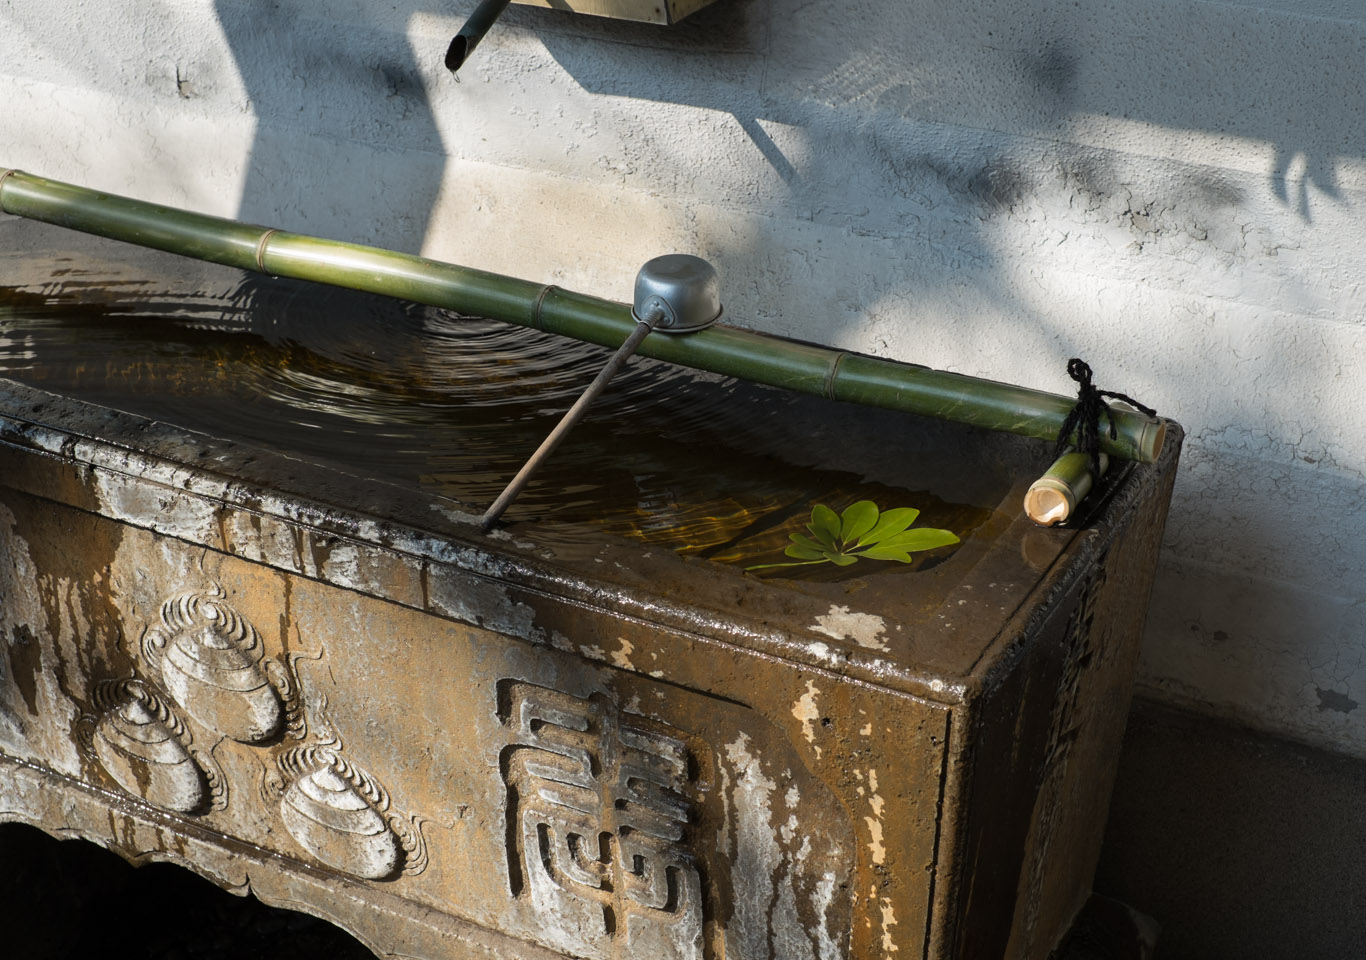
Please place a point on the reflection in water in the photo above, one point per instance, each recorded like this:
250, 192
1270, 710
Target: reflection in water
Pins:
416, 395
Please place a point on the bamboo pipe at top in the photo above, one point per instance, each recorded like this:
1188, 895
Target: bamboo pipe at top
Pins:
760, 358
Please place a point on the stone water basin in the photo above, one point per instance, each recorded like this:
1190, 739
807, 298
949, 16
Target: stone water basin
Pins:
251, 628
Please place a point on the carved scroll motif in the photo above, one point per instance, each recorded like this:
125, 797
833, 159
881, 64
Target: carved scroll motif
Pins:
341, 815
210, 660
141, 743
599, 808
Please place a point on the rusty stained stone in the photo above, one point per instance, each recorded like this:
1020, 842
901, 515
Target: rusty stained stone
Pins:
454, 748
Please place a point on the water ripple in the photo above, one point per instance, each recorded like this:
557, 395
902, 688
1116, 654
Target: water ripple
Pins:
414, 394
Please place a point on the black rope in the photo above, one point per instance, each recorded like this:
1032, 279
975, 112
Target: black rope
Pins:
1084, 419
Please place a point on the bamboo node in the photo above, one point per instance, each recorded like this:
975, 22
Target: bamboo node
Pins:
536, 310
832, 375
261, 249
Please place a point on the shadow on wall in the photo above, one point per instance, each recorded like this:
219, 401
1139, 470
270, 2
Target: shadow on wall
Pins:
901, 131
912, 130
318, 79
884, 74
1284, 77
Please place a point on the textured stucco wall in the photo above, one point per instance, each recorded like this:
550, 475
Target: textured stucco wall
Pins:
1168, 188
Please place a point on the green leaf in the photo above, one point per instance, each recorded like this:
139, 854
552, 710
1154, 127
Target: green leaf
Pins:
803, 552
880, 552
863, 531
889, 524
922, 538
825, 525
857, 520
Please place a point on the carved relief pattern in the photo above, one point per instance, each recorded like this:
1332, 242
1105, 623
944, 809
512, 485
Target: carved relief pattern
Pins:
341, 815
209, 659
1081, 646
145, 747
599, 807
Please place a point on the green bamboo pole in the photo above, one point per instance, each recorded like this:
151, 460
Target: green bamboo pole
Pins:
757, 357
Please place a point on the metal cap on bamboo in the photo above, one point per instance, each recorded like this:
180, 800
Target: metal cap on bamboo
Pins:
677, 293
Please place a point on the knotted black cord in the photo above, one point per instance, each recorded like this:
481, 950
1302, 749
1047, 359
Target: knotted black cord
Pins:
1084, 418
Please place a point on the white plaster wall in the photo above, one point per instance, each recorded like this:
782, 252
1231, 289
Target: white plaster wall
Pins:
1171, 189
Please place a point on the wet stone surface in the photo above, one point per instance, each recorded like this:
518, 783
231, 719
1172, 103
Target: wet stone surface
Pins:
73, 900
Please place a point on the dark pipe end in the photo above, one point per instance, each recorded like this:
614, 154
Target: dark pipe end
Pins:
478, 24
457, 52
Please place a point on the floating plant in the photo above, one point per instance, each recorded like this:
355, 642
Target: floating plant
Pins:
862, 532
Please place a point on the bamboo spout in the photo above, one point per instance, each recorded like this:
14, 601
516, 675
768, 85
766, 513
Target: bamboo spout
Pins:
793, 365
1053, 498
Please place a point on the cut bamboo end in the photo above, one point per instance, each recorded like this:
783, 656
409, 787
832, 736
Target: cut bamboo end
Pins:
1048, 503
1053, 498
1151, 437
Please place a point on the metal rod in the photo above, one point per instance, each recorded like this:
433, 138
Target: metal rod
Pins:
464, 42
732, 352
571, 417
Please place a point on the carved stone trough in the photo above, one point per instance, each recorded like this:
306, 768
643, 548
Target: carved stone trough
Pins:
326, 688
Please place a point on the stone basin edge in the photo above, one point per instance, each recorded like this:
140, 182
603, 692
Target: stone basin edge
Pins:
201, 496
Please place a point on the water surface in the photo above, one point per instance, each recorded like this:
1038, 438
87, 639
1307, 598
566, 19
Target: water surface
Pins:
699, 464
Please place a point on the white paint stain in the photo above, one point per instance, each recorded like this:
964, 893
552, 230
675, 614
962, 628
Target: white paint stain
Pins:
622, 657
343, 567
765, 921
865, 629
827, 945
822, 651
888, 921
166, 511
876, 803
806, 711
875, 839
